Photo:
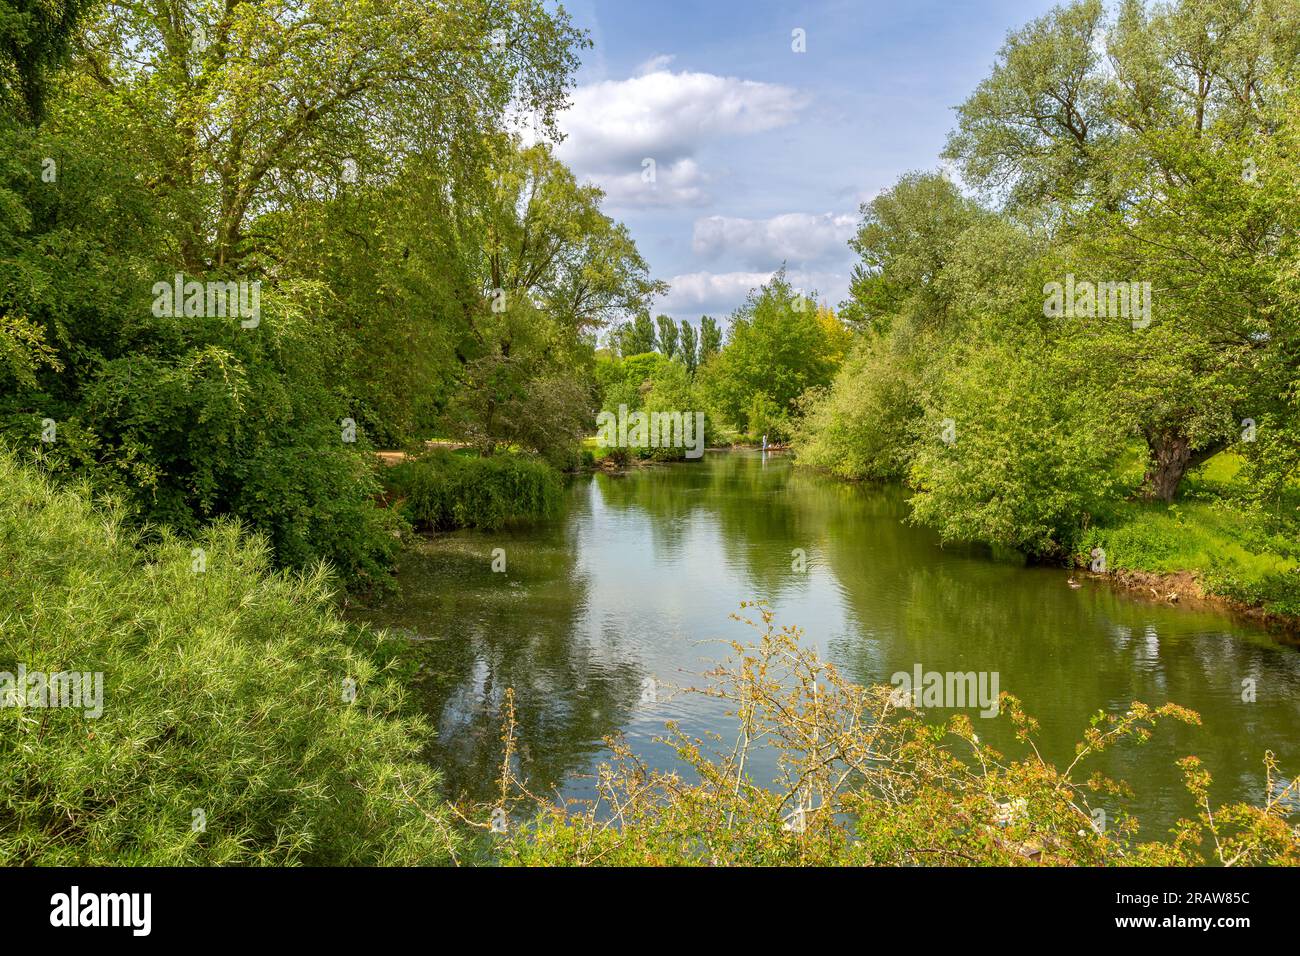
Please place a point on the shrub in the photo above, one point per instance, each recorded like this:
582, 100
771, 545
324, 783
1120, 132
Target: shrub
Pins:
446, 491
860, 426
1023, 465
223, 695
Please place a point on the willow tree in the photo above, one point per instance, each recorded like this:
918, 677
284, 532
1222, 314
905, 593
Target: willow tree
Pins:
543, 270
1152, 141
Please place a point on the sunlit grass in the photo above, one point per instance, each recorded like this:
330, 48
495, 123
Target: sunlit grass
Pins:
1212, 531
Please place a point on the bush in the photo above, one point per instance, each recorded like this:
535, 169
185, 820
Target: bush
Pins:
223, 694
1022, 465
860, 427
446, 491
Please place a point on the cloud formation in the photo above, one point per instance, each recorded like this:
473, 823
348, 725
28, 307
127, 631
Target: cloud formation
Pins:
796, 238
718, 293
613, 126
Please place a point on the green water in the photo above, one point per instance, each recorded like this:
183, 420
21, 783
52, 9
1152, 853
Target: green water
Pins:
636, 581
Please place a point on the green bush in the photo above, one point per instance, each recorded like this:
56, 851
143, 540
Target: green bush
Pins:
1024, 465
223, 695
446, 491
860, 427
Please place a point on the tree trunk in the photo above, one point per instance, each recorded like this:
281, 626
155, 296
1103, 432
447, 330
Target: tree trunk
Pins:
1171, 455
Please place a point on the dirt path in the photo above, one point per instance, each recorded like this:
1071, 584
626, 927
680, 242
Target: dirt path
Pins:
391, 458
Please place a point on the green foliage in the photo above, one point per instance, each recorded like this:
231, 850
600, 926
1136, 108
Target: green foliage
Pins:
444, 491
672, 391
1133, 135
652, 383
1023, 465
1153, 144
777, 349
668, 334
35, 36
690, 347
862, 426
223, 692
710, 338
370, 313
636, 337
905, 239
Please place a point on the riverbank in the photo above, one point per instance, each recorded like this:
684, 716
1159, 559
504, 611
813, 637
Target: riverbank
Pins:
1186, 589
1212, 545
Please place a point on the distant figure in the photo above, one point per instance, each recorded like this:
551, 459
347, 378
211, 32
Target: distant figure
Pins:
764, 443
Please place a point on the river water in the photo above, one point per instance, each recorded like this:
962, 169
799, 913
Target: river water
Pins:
600, 612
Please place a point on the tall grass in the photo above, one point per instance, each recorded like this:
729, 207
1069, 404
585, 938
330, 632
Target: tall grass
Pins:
226, 736
446, 491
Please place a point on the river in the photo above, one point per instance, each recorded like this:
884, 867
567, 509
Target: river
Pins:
600, 612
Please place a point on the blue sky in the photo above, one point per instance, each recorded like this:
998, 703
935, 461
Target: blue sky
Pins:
762, 154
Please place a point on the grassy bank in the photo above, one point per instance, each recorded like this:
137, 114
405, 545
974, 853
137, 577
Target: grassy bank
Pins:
1234, 550
229, 733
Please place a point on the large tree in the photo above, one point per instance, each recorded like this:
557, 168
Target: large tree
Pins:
1152, 141
777, 348
244, 107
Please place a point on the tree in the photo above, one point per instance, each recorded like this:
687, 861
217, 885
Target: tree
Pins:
1024, 464
1037, 127
246, 107
904, 240
668, 334
710, 339
35, 38
636, 337
776, 350
672, 392
556, 269
34, 42
548, 240
688, 347
1161, 156
266, 142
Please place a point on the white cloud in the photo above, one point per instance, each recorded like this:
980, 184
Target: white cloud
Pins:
718, 293
797, 238
656, 64
612, 126
710, 292
681, 184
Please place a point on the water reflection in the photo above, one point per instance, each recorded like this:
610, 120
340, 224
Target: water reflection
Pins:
636, 581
